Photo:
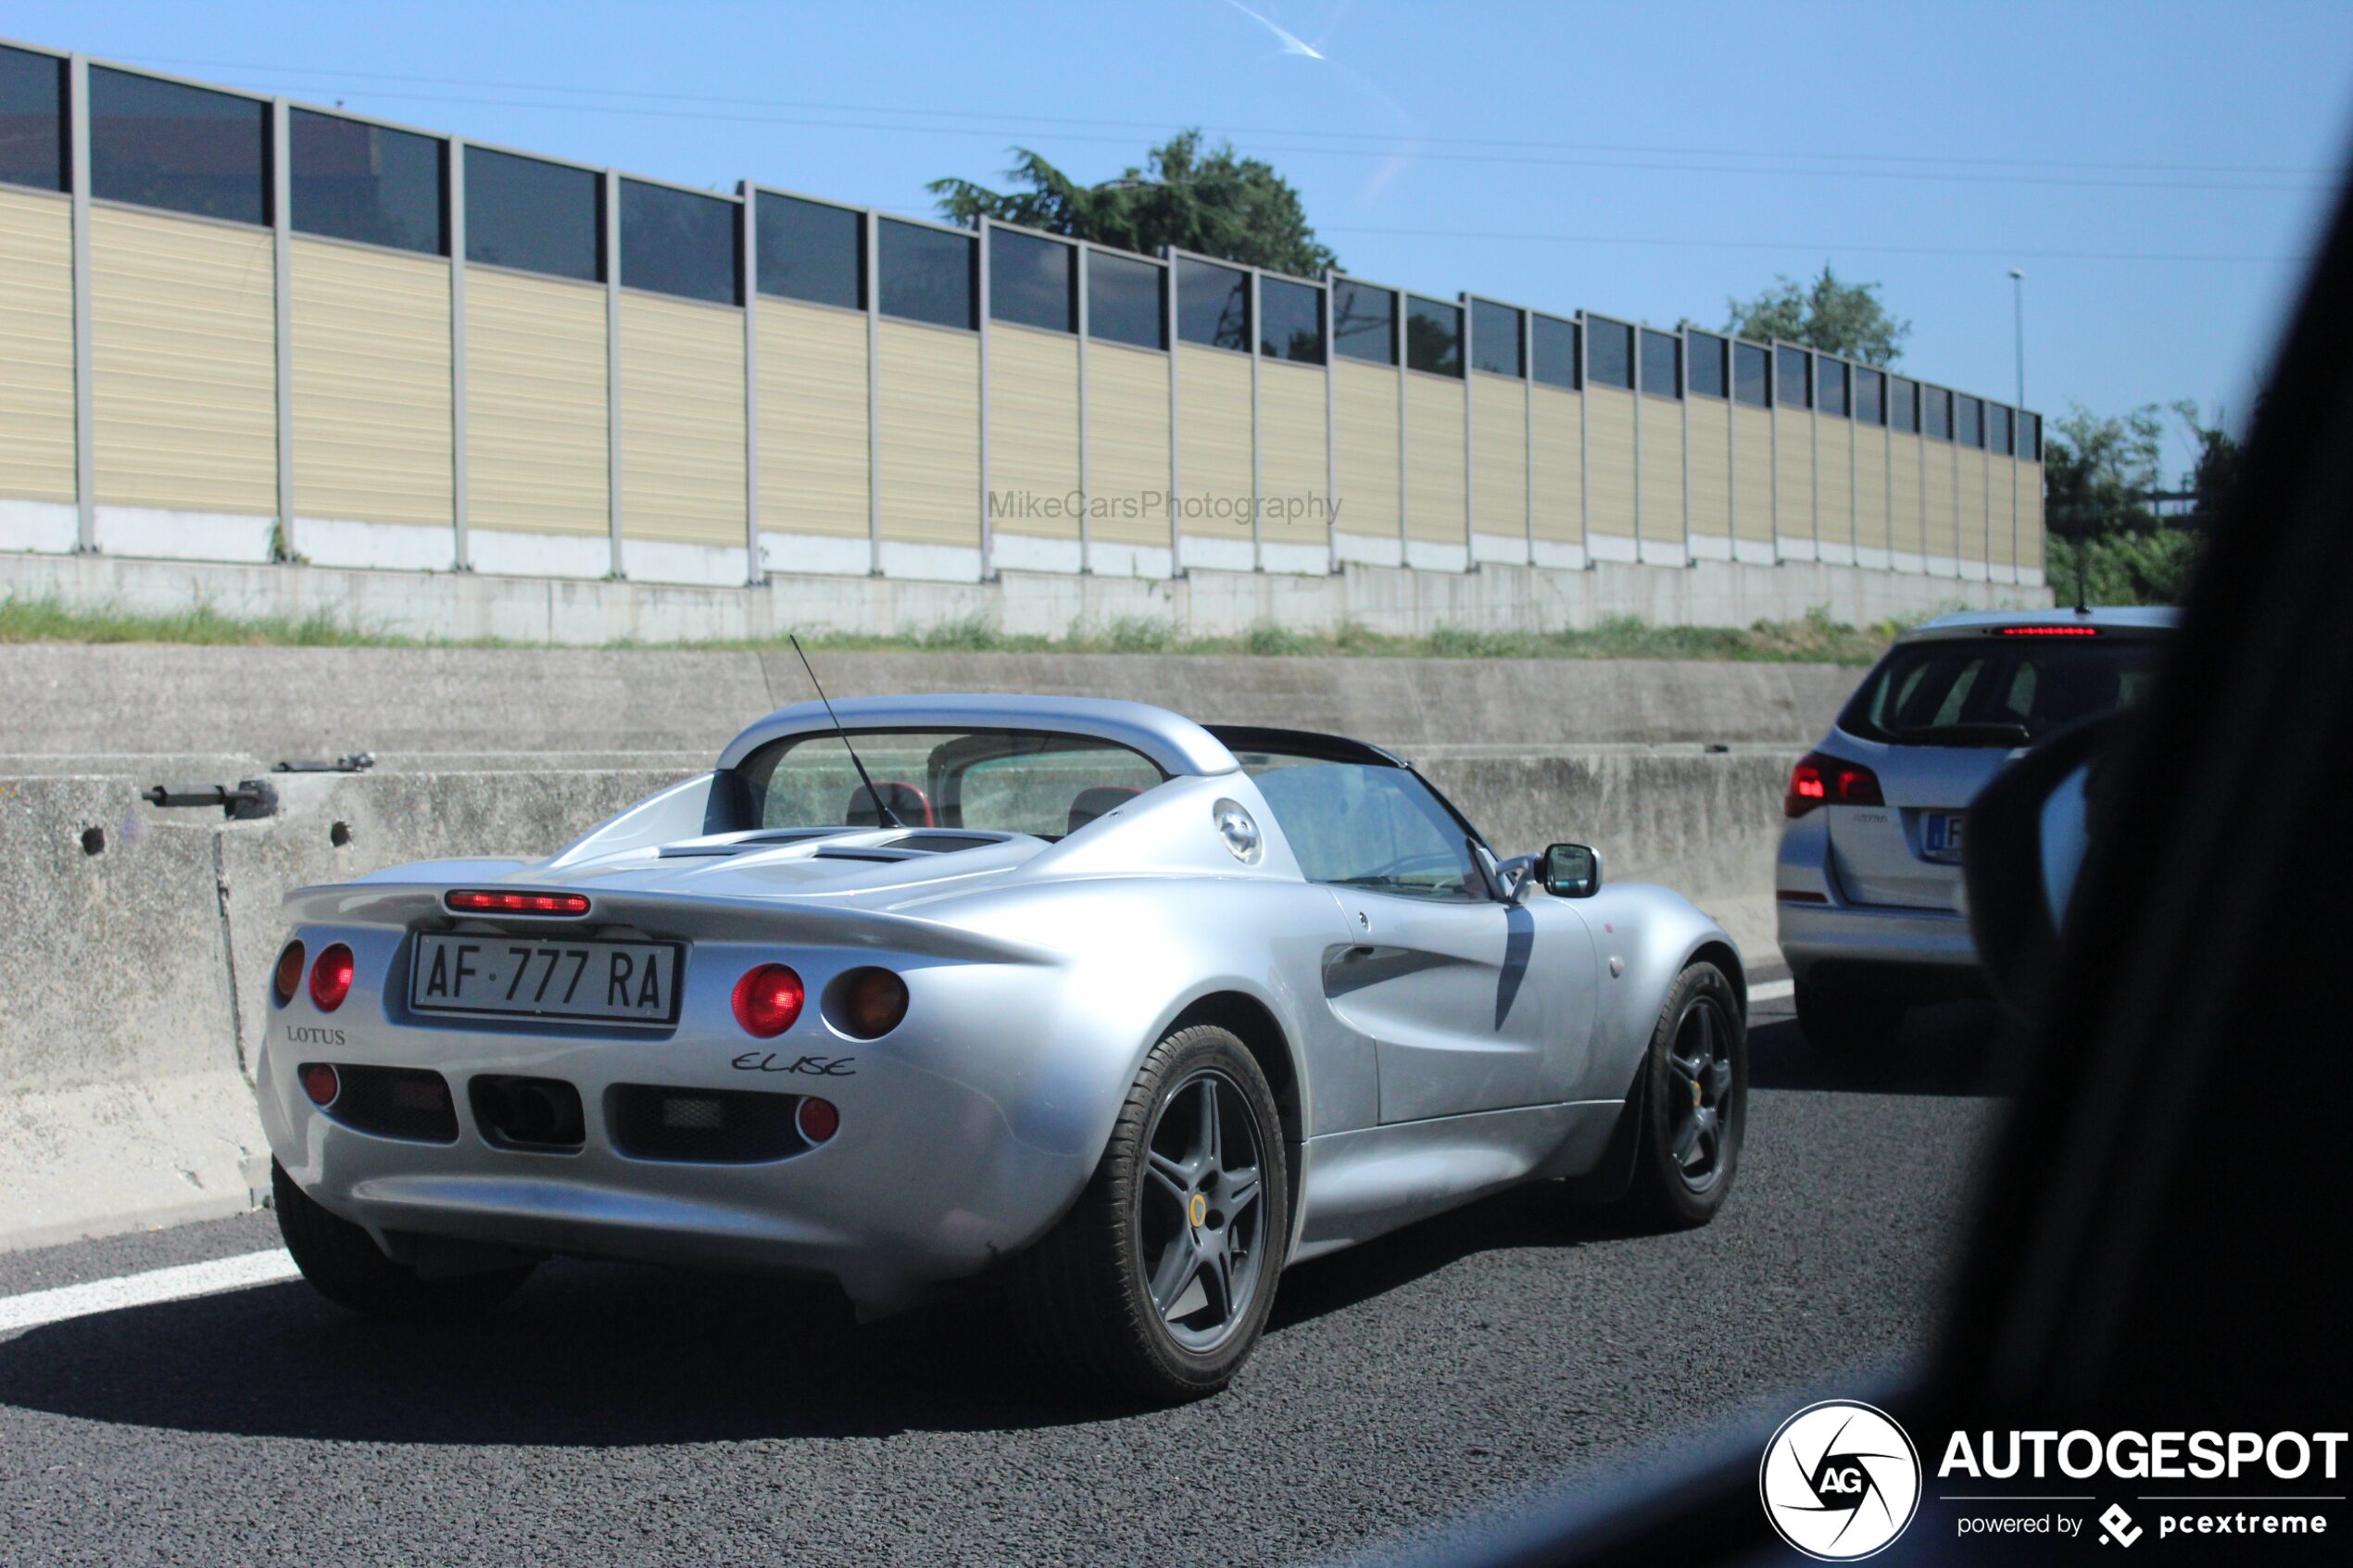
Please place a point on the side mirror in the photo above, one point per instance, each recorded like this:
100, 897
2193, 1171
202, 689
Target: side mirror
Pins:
1570, 871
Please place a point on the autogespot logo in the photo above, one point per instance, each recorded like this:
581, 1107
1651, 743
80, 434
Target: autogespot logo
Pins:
1840, 1480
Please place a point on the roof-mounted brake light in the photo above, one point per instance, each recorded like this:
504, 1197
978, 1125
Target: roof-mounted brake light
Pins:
2049, 630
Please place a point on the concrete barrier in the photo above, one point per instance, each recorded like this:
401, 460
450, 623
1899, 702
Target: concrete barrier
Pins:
135, 963
293, 702
139, 960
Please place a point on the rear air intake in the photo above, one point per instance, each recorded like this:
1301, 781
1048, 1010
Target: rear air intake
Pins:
703, 1126
396, 1102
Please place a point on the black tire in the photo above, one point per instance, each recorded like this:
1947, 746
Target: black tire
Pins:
343, 1265
1849, 1024
1693, 1120
1083, 1297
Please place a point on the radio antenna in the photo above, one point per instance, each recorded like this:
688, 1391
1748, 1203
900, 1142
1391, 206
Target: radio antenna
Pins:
881, 807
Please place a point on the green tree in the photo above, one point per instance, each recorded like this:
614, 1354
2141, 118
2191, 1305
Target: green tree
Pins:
2214, 473
2097, 473
1214, 203
1839, 318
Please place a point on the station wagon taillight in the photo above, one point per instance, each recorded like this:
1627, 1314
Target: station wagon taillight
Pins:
1830, 781
2050, 631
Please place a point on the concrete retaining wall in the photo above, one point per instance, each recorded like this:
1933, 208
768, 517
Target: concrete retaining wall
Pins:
276, 703
463, 606
139, 971
139, 942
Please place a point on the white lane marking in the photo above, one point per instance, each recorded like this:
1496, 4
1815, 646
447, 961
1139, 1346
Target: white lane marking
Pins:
37, 1306
1772, 990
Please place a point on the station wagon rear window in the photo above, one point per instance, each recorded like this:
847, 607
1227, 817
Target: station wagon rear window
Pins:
1035, 782
1998, 691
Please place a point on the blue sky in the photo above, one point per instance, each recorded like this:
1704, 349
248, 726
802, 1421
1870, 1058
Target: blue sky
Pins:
2159, 170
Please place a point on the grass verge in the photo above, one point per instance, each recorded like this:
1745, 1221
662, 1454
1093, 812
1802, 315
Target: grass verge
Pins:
1814, 639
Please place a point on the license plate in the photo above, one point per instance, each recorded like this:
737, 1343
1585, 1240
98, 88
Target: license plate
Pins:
1941, 836
620, 982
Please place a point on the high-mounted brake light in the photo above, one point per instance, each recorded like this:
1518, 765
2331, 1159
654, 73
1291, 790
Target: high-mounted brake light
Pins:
288, 979
331, 978
1830, 781
768, 999
2050, 631
479, 902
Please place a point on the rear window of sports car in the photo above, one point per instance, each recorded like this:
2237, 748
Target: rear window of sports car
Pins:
1998, 691
993, 781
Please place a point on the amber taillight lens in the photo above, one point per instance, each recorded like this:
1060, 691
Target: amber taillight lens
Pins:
288, 979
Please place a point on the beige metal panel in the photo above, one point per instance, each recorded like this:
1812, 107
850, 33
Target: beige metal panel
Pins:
1711, 474
1970, 521
184, 367
1753, 475
2030, 516
1944, 529
1906, 521
1365, 447
535, 411
1556, 422
36, 346
1127, 444
1610, 452
1793, 471
1871, 487
2001, 545
1033, 432
372, 440
1293, 475
1434, 460
928, 384
1662, 471
1834, 486
812, 420
1499, 456
1212, 435
682, 420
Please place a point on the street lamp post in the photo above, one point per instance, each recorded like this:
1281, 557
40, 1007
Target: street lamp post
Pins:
2017, 318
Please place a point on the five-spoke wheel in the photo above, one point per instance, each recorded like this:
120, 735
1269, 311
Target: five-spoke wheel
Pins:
1200, 1221
1692, 1101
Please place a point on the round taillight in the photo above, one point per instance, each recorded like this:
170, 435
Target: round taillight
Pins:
288, 978
331, 978
768, 999
818, 1120
870, 1003
321, 1082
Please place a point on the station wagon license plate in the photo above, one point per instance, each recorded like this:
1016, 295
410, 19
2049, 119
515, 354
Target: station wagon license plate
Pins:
619, 981
1941, 836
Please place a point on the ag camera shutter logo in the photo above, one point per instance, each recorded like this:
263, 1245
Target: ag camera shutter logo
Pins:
1840, 1480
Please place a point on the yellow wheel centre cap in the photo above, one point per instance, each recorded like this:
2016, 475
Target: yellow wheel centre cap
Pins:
1200, 1209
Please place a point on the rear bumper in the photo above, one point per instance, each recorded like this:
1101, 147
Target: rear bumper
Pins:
958, 1144
1818, 925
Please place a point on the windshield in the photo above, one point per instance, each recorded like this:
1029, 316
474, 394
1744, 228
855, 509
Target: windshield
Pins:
990, 781
1998, 691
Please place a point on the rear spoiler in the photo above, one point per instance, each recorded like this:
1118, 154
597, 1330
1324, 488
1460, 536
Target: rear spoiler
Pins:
389, 899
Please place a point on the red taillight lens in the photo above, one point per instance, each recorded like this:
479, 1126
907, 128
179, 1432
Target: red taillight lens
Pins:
768, 999
2050, 631
331, 978
1829, 781
320, 1082
288, 978
818, 1120
870, 1003
479, 902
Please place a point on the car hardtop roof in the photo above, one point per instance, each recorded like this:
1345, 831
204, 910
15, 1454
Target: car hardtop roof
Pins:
1172, 742
2107, 618
1239, 739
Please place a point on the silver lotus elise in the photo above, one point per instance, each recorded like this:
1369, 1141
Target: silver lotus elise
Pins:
1124, 1011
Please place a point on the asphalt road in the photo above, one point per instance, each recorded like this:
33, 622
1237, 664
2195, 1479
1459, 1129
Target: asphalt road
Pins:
621, 1415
